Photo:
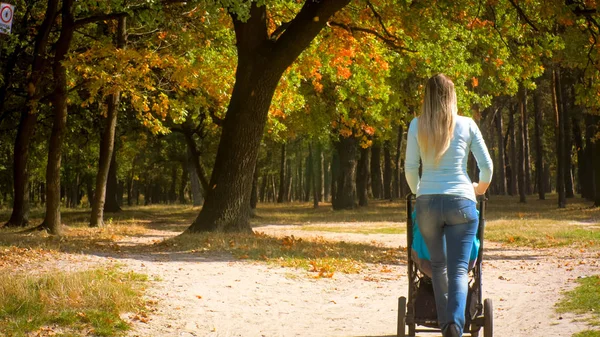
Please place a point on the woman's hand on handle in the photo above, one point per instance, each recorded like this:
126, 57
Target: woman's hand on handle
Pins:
480, 188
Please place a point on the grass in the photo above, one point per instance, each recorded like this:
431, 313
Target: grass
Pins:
584, 300
321, 257
69, 303
540, 224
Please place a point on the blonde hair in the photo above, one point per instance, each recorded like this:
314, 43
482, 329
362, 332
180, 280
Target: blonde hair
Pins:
436, 123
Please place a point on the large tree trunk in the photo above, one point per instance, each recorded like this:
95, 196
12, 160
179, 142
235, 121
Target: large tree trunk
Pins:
20, 212
52, 221
387, 170
261, 63
346, 186
376, 177
539, 144
282, 184
521, 145
362, 176
560, 141
500, 165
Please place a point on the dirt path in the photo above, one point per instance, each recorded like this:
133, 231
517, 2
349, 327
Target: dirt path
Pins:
221, 296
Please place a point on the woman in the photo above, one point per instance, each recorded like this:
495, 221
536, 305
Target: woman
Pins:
446, 203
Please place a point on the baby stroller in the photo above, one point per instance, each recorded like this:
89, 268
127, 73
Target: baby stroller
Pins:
419, 309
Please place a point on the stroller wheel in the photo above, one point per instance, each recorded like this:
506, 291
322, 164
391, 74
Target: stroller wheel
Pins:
402, 316
488, 326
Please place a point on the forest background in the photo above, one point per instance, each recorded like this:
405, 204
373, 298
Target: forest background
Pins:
230, 103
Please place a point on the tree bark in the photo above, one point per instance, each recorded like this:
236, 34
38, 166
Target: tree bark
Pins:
362, 176
521, 145
261, 63
184, 179
560, 144
500, 162
282, 182
376, 177
254, 194
588, 181
108, 142
578, 142
595, 155
387, 170
539, 144
526, 147
397, 173
346, 186
314, 174
513, 151
308, 175
196, 190
112, 186
327, 180
320, 161
568, 104
52, 221
20, 212
335, 173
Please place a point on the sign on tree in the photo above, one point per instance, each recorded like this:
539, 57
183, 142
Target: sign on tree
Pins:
6, 17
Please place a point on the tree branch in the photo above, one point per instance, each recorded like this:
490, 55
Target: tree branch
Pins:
380, 19
390, 42
523, 15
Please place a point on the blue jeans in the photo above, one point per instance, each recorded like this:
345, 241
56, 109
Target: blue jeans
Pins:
448, 224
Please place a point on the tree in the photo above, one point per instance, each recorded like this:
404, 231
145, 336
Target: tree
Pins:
262, 59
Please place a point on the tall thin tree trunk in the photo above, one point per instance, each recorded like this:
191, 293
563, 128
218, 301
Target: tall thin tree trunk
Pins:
539, 144
521, 144
320, 160
20, 212
376, 177
282, 184
362, 176
500, 164
513, 150
112, 185
308, 175
560, 141
568, 105
335, 173
108, 141
588, 180
397, 173
314, 168
526, 148
387, 170
52, 221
